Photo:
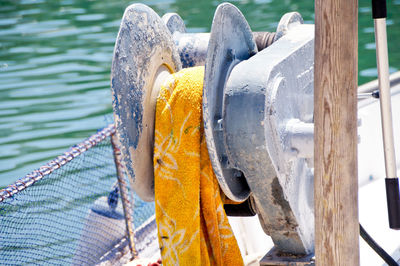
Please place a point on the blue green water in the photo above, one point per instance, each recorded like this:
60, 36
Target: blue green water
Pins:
55, 58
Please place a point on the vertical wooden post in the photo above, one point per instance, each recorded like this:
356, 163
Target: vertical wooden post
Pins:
335, 114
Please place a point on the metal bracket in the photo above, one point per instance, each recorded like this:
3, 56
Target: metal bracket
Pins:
277, 258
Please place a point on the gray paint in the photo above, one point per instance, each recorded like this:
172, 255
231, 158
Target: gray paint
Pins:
143, 46
231, 41
192, 47
174, 23
262, 95
251, 105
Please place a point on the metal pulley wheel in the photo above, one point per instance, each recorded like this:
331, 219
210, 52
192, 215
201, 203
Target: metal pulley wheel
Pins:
144, 55
231, 42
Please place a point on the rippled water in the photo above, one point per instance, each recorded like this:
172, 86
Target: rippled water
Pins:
55, 58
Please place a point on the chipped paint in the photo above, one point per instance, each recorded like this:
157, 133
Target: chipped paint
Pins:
144, 45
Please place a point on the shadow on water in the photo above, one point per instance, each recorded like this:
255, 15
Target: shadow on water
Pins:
55, 59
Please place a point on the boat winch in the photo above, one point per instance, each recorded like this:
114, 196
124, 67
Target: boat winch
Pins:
257, 109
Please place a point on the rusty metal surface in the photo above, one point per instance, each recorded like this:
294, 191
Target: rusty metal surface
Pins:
276, 258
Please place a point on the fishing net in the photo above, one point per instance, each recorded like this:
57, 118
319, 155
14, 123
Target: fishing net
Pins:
69, 212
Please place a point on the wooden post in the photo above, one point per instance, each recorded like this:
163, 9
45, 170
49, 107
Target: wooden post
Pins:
335, 114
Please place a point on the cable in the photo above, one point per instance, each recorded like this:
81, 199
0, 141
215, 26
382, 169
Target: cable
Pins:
380, 251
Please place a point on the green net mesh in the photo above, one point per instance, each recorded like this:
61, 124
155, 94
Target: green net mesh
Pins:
71, 215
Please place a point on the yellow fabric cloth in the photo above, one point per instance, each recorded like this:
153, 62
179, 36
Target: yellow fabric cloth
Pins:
193, 228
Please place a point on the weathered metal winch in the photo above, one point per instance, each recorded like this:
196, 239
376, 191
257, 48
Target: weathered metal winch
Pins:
257, 109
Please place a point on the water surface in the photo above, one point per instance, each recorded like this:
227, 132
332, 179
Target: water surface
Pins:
55, 58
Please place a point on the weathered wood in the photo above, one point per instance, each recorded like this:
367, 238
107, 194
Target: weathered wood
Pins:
335, 114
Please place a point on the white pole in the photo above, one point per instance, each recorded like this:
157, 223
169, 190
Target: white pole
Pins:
384, 95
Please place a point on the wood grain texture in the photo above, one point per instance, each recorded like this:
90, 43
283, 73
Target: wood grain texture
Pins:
335, 114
